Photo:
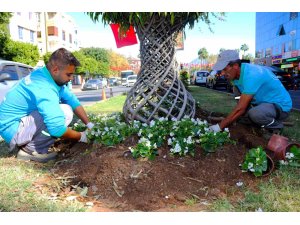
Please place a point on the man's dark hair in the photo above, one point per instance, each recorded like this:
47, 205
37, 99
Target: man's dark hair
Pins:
62, 57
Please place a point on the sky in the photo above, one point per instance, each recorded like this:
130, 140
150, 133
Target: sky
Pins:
237, 29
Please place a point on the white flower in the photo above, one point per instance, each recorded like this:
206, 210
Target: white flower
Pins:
171, 134
106, 129
152, 123
154, 146
250, 165
174, 119
170, 141
226, 129
161, 119
289, 155
239, 184
259, 210
189, 140
150, 135
282, 162
252, 170
177, 148
140, 132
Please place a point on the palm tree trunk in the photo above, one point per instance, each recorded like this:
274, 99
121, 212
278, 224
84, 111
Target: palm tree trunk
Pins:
158, 91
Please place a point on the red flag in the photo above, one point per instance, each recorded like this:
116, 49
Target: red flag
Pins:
121, 39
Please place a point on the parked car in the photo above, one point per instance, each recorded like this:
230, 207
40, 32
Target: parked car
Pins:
285, 78
199, 77
216, 79
10, 73
95, 84
131, 79
113, 81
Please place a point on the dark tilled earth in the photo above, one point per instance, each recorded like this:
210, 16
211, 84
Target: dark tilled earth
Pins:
117, 182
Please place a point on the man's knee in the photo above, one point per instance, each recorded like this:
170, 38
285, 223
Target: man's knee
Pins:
68, 113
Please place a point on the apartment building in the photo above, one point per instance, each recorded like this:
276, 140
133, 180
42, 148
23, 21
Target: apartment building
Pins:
23, 27
278, 40
48, 30
57, 30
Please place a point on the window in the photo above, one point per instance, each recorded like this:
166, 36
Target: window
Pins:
31, 36
63, 35
19, 13
12, 71
20, 30
70, 38
268, 52
293, 15
30, 15
281, 31
24, 71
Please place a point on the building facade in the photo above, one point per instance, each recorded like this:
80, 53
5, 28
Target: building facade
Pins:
57, 30
278, 40
23, 27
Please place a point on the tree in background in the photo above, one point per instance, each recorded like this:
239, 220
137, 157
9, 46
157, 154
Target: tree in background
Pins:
117, 63
21, 52
4, 33
101, 55
89, 66
244, 48
158, 91
202, 55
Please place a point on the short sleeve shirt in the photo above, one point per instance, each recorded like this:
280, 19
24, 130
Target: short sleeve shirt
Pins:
263, 85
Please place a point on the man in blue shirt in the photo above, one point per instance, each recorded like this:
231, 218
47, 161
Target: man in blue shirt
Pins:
39, 108
259, 87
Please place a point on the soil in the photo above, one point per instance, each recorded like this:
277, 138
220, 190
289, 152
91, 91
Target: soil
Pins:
118, 182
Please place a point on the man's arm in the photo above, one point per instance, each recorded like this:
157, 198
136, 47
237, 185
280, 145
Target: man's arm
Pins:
239, 110
80, 112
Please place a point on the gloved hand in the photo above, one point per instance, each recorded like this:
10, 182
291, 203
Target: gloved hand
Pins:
90, 125
215, 128
83, 137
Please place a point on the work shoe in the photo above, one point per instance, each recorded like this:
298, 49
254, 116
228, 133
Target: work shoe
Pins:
34, 156
267, 133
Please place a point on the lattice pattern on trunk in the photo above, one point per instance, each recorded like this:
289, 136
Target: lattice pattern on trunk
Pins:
158, 91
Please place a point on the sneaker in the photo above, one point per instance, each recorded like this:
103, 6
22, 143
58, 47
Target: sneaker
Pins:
34, 156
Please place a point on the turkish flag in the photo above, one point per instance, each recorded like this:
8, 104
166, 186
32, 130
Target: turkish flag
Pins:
129, 38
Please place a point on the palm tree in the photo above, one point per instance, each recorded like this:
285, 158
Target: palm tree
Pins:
244, 48
158, 91
202, 54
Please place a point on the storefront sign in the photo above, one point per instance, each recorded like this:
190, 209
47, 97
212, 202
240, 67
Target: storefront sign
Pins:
287, 66
277, 61
276, 57
287, 55
294, 53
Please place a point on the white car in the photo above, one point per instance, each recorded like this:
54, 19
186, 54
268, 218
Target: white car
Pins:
10, 73
131, 80
199, 77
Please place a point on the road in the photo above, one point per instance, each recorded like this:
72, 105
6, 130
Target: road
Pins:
295, 95
90, 97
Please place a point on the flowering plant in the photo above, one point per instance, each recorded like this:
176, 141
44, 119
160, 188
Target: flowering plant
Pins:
293, 156
255, 161
211, 141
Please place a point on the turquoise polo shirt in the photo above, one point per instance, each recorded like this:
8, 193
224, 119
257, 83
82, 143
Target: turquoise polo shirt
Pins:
263, 85
37, 91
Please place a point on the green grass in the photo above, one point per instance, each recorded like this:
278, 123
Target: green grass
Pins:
114, 104
19, 194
